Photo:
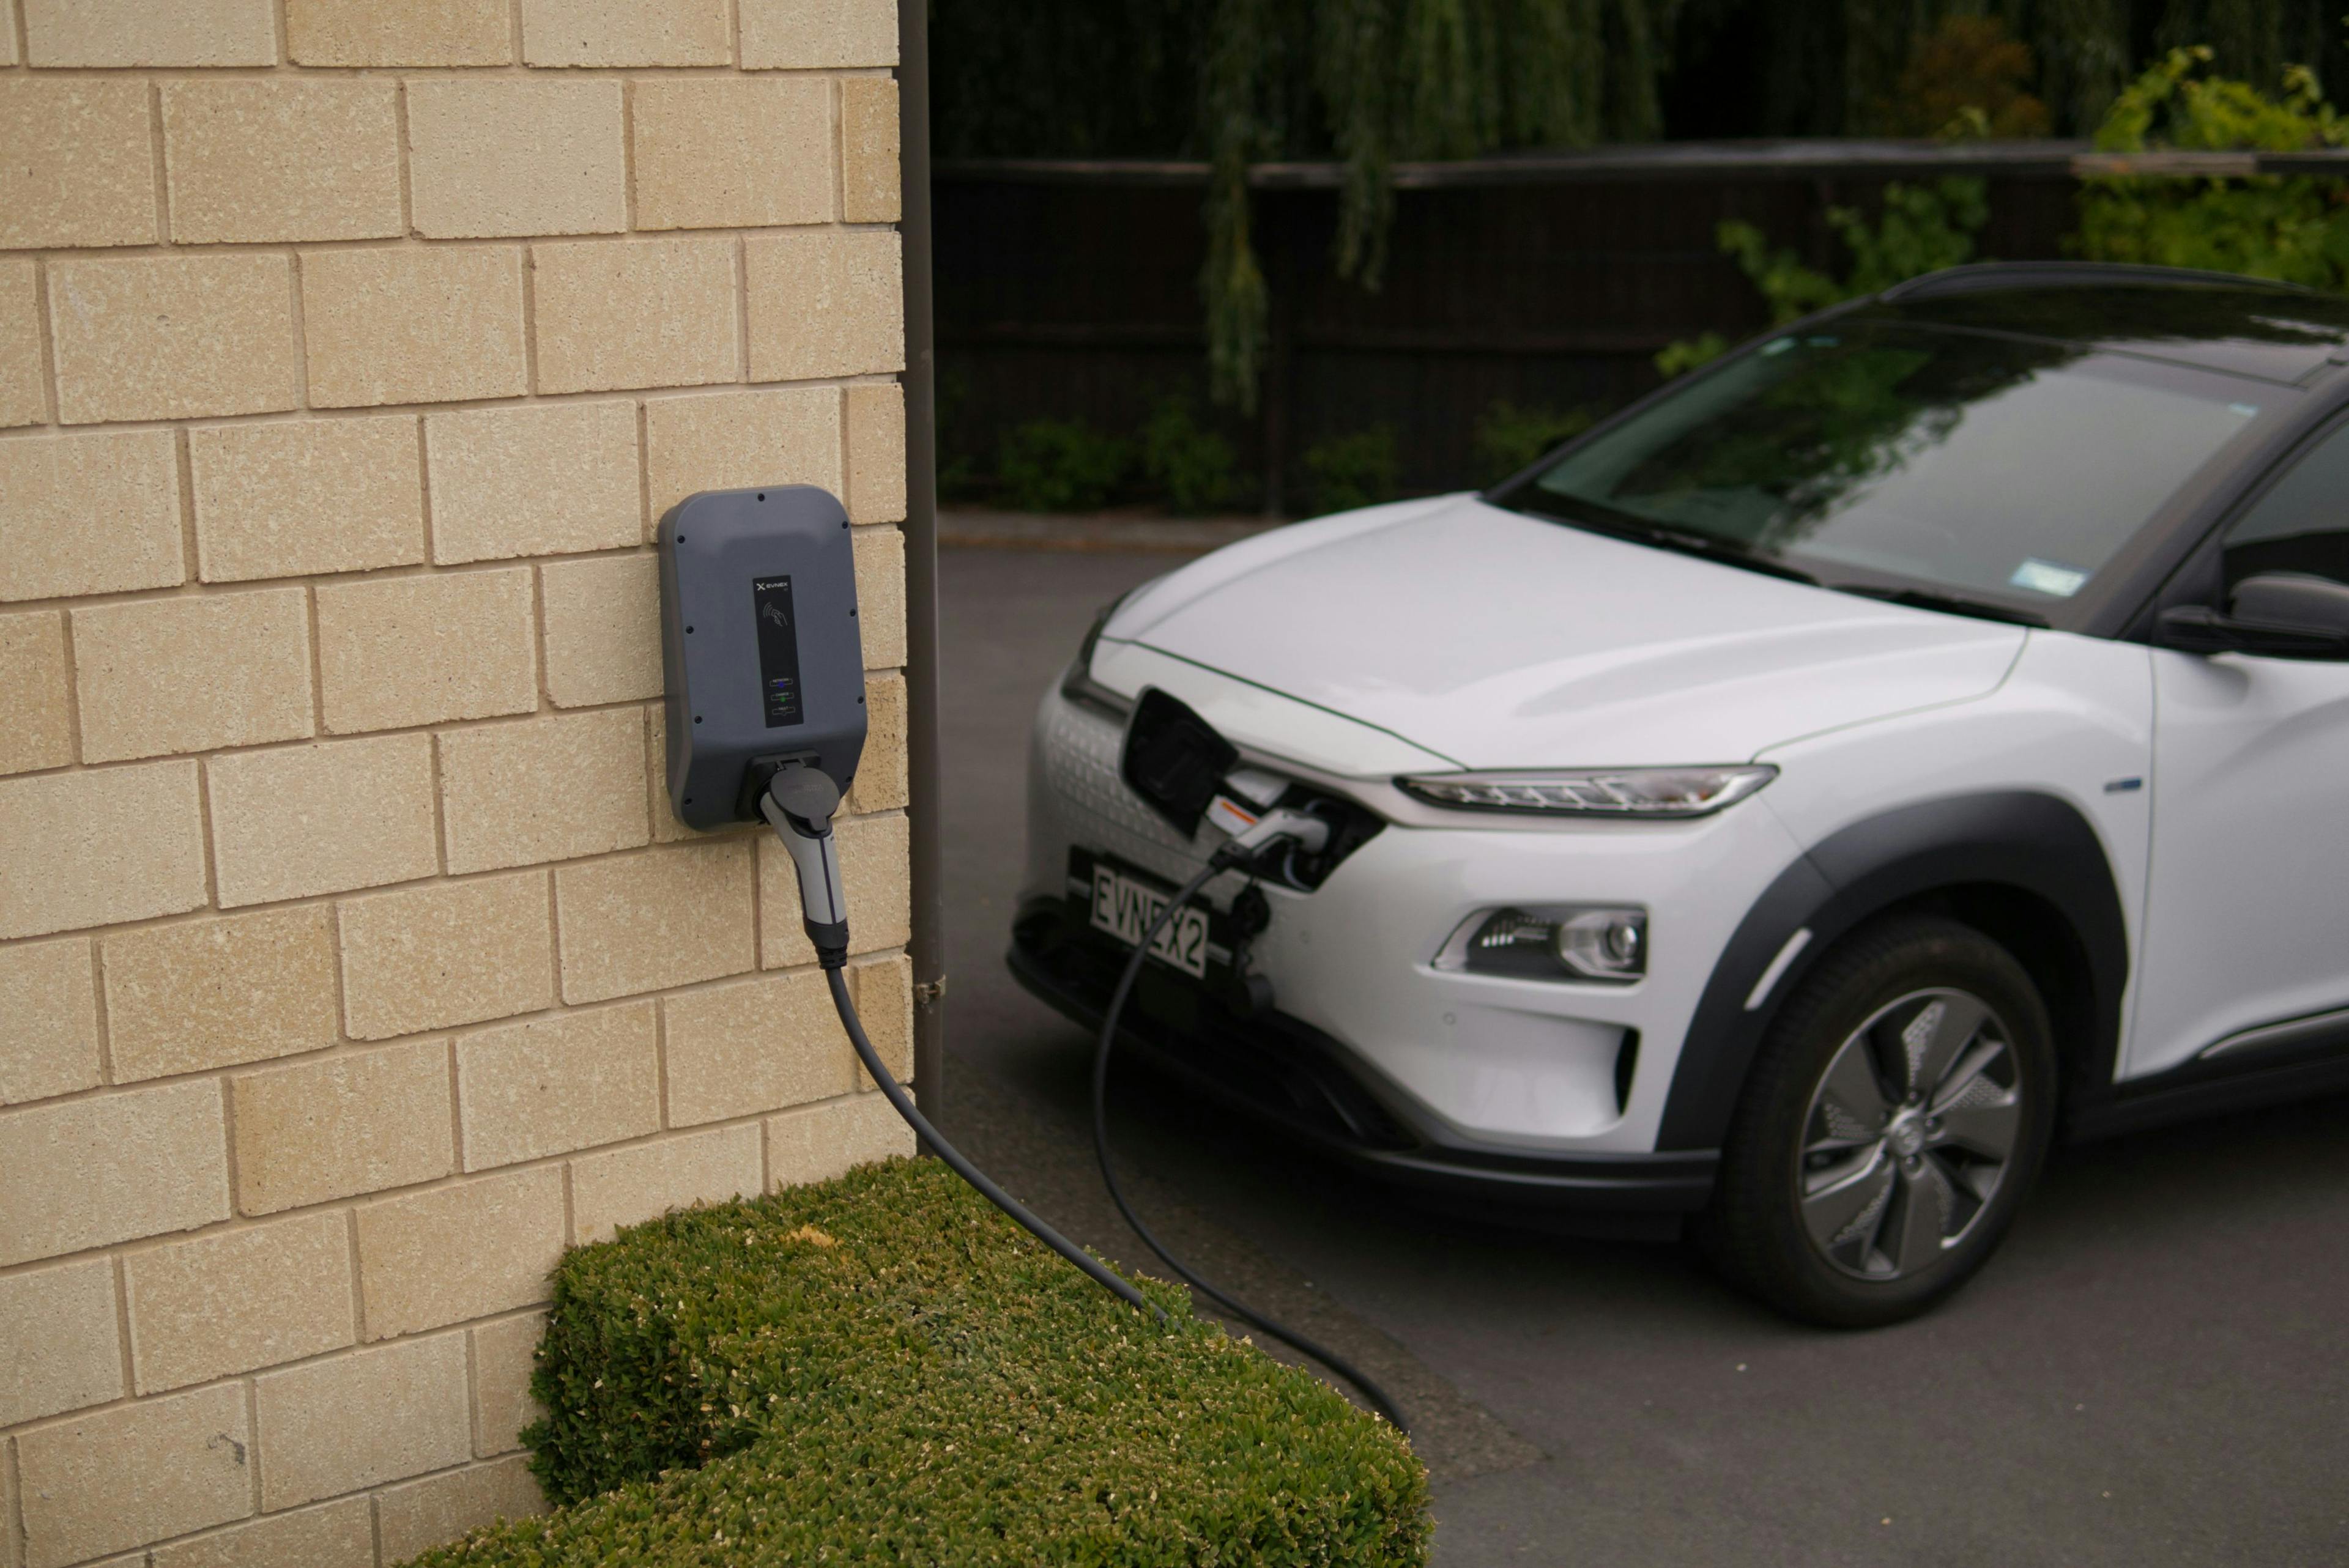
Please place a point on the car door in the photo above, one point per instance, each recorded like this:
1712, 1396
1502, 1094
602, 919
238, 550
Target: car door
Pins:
2247, 918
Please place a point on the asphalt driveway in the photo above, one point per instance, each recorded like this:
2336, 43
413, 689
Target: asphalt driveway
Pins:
2155, 1370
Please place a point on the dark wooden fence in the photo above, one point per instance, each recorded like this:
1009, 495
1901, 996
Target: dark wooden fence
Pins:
1068, 290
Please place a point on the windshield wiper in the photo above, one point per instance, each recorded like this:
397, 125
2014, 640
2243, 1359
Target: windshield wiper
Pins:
1686, 542
1955, 604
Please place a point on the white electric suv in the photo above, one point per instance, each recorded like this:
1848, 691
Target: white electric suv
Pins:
1795, 803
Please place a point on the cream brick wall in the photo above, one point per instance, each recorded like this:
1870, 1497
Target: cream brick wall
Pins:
351, 962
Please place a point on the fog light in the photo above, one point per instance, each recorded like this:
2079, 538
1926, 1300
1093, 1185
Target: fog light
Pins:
1561, 942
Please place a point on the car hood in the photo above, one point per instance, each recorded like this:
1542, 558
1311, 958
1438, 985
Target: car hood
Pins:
1498, 640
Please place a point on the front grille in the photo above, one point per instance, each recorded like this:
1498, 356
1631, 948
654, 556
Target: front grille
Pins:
1091, 806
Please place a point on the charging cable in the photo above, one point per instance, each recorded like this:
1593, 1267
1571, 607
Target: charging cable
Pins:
1275, 830
799, 804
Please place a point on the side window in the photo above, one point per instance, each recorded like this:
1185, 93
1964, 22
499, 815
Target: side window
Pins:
2302, 524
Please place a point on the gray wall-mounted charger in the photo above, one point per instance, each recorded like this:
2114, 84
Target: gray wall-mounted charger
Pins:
760, 645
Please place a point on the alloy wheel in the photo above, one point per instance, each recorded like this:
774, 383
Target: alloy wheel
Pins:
1909, 1132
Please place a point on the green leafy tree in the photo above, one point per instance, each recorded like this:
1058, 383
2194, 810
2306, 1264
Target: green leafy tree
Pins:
2287, 227
1379, 81
1921, 229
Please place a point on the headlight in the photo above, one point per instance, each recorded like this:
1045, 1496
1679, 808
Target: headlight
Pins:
1562, 942
1646, 792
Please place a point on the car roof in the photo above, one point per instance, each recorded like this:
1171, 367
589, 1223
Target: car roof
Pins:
2219, 321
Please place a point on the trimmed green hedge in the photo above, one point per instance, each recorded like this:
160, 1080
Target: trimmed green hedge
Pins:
883, 1369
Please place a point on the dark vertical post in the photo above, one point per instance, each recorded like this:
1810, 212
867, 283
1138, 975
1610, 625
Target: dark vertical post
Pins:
921, 381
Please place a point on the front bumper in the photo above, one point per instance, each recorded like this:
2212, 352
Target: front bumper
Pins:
1281, 1070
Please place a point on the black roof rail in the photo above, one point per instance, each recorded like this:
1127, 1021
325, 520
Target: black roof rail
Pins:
1984, 277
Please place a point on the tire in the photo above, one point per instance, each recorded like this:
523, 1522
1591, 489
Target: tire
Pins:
1876, 1158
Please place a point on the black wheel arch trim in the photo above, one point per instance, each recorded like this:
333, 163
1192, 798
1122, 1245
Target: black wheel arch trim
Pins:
2022, 840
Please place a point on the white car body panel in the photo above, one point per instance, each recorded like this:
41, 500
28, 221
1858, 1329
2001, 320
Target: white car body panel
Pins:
1256, 719
1540, 646
2250, 896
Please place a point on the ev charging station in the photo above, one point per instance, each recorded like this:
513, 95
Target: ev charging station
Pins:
765, 669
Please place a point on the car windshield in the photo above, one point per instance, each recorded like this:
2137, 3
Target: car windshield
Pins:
1960, 466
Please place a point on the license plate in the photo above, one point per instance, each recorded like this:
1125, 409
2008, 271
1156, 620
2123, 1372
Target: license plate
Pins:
1125, 908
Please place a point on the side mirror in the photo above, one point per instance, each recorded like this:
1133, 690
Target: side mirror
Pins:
2281, 615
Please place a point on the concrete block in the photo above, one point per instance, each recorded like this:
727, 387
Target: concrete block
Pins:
112, 1168
121, 1478
876, 453
648, 922
80, 168
139, 665
464, 1252
259, 1296
207, 993
733, 152
310, 497
258, 160
50, 1000
59, 1347
149, 33
332, 1535
880, 774
424, 650
411, 33
98, 846
24, 372
634, 313
625, 33
173, 337
446, 952
36, 696
824, 302
362, 1419
754, 1045
552, 1085
543, 479
818, 35
883, 989
542, 790
729, 441
501, 156
413, 324
440, 1508
870, 179
881, 596
630, 1185
96, 514
603, 629
283, 826
505, 1353
361, 1121
818, 1142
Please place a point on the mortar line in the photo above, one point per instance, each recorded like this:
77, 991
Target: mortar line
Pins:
48, 346
628, 154
400, 128
253, 1439
105, 1020
742, 310
122, 1326
530, 320
161, 163
424, 493
183, 462
358, 1285
472, 1397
